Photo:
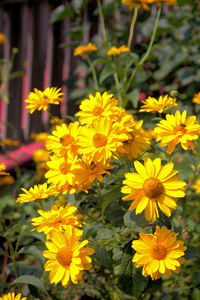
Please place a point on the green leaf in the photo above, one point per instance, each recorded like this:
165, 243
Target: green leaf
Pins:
105, 73
130, 278
2, 252
133, 97
185, 2
60, 13
102, 60
32, 250
105, 257
131, 219
109, 197
32, 280
191, 253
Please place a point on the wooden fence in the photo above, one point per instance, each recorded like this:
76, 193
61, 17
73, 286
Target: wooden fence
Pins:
26, 24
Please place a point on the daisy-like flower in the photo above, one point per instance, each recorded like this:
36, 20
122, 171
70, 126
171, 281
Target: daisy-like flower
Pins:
98, 142
196, 98
40, 100
117, 51
153, 105
81, 50
137, 143
67, 256
151, 187
37, 192
57, 219
2, 168
64, 139
133, 3
9, 142
12, 296
39, 137
158, 253
176, 129
196, 186
96, 107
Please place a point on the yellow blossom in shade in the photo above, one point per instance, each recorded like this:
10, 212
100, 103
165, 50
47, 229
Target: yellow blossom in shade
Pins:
67, 256
12, 296
37, 192
196, 186
100, 141
57, 219
196, 98
64, 139
96, 107
61, 173
176, 129
2, 168
137, 142
87, 172
153, 105
158, 253
117, 51
39, 100
7, 180
151, 187
39, 137
2, 38
81, 50
9, 142
150, 134
40, 155
56, 121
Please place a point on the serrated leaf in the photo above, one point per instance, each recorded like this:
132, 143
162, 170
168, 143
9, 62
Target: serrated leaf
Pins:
32, 280
130, 278
105, 258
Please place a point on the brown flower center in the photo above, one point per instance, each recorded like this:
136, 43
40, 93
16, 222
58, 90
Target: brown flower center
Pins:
158, 252
64, 168
97, 110
153, 187
64, 256
67, 139
99, 140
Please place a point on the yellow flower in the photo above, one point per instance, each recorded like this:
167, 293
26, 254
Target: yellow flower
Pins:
40, 155
2, 38
2, 168
176, 129
80, 50
158, 253
133, 3
9, 142
151, 187
117, 51
67, 256
137, 142
38, 192
64, 139
39, 137
7, 180
57, 219
12, 296
40, 100
101, 140
96, 107
153, 105
196, 98
196, 186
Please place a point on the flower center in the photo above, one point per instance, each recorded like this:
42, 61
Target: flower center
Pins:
153, 187
64, 168
97, 110
64, 256
99, 140
180, 129
67, 139
45, 99
158, 252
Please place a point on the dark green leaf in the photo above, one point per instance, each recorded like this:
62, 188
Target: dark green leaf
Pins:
60, 13
133, 97
191, 253
105, 73
105, 257
32, 280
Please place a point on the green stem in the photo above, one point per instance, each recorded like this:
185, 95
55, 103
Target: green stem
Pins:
102, 20
132, 27
117, 83
13, 256
93, 73
141, 62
